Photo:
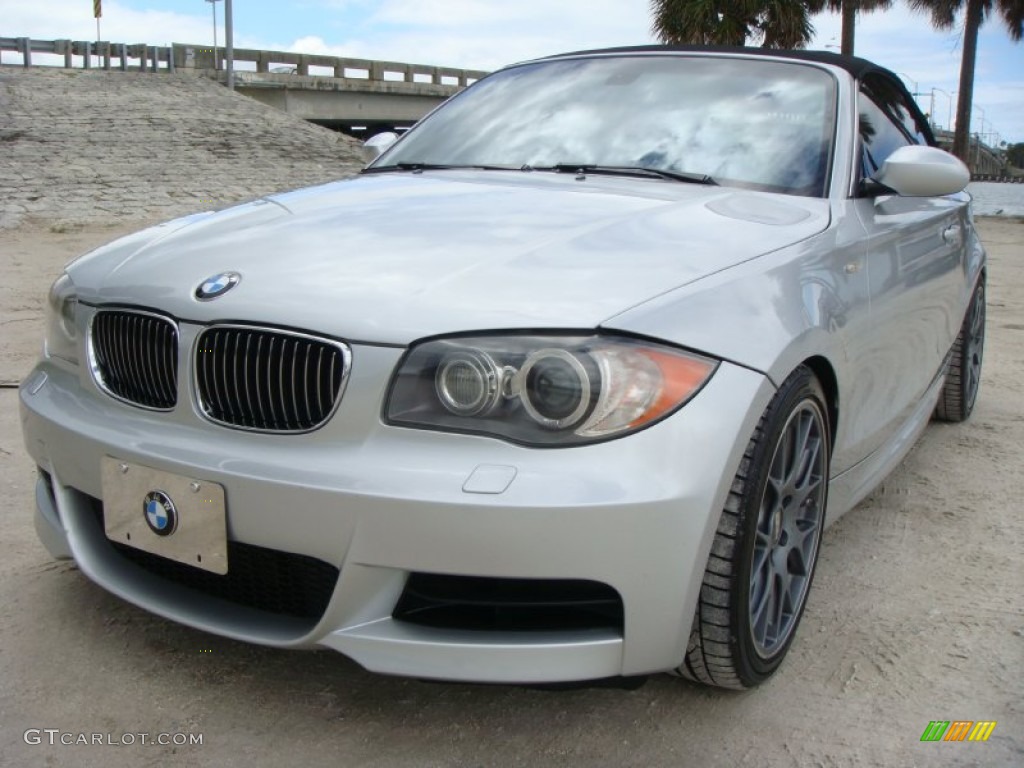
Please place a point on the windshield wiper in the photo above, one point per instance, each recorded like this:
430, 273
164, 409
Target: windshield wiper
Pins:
628, 170
436, 167
608, 170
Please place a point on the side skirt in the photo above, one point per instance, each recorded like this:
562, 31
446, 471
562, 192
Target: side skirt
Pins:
849, 488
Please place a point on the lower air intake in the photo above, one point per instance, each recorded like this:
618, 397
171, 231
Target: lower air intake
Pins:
467, 602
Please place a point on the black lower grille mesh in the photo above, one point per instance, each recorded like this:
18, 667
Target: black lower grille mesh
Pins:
470, 602
280, 583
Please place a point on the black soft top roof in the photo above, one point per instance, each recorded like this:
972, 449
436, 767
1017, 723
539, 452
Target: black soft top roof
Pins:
854, 65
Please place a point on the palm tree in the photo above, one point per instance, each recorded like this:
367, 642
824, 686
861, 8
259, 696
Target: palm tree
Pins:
776, 23
944, 14
773, 23
849, 10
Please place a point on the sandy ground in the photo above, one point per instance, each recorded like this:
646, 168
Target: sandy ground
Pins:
915, 615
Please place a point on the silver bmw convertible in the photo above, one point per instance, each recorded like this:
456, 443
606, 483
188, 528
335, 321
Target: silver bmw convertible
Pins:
565, 385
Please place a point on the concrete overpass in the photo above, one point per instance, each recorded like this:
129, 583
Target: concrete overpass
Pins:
339, 92
984, 161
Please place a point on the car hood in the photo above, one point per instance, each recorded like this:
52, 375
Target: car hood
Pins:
395, 257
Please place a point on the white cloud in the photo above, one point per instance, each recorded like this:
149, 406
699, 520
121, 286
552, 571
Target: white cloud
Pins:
72, 19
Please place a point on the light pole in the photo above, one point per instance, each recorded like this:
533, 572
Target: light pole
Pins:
229, 43
909, 79
982, 110
949, 98
213, 8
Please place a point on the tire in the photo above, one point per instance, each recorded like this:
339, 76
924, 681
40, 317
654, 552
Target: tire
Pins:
766, 545
963, 379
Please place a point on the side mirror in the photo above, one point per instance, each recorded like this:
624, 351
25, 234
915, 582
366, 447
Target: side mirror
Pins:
918, 171
375, 146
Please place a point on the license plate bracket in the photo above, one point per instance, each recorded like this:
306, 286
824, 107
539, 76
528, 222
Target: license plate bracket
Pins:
181, 518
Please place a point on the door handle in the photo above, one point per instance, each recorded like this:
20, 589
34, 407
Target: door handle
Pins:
953, 234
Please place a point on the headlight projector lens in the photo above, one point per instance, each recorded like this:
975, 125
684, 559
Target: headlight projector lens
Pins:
554, 388
468, 383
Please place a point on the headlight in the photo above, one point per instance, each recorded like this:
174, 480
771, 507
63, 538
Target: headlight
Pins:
61, 331
542, 390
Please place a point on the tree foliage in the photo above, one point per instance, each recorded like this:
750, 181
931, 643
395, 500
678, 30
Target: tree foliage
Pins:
1015, 154
770, 23
944, 14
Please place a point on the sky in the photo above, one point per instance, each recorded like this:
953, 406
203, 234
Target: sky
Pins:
486, 34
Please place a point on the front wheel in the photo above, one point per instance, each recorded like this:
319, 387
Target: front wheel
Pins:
762, 559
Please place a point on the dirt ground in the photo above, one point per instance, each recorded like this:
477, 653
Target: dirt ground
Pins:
915, 615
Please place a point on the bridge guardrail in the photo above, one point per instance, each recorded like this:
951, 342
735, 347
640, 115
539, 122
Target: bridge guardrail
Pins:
150, 58
140, 57
342, 67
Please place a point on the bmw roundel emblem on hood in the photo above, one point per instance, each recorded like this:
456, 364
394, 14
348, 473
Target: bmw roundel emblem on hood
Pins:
217, 285
161, 516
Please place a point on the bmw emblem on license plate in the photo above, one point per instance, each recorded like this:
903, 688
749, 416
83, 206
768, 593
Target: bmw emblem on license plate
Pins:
217, 285
161, 516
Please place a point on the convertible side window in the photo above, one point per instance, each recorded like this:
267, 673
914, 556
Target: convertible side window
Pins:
893, 100
879, 135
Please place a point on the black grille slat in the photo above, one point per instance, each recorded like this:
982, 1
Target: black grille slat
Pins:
143, 354
125, 346
265, 380
246, 381
319, 379
220, 371
146, 352
270, 388
305, 377
279, 389
295, 384
166, 355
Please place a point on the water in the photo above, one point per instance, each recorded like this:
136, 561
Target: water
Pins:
994, 199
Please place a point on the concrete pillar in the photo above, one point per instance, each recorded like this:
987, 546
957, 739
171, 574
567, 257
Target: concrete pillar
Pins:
25, 46
122, 52
376, 71
64, 46
104, 50
87, 54
302, 68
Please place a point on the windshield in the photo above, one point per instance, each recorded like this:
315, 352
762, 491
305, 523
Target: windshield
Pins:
754, 123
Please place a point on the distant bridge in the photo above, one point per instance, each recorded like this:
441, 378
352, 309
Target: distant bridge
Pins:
356, 95
335, 91
986, 163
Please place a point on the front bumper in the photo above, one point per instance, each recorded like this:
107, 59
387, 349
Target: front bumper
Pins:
377, 503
